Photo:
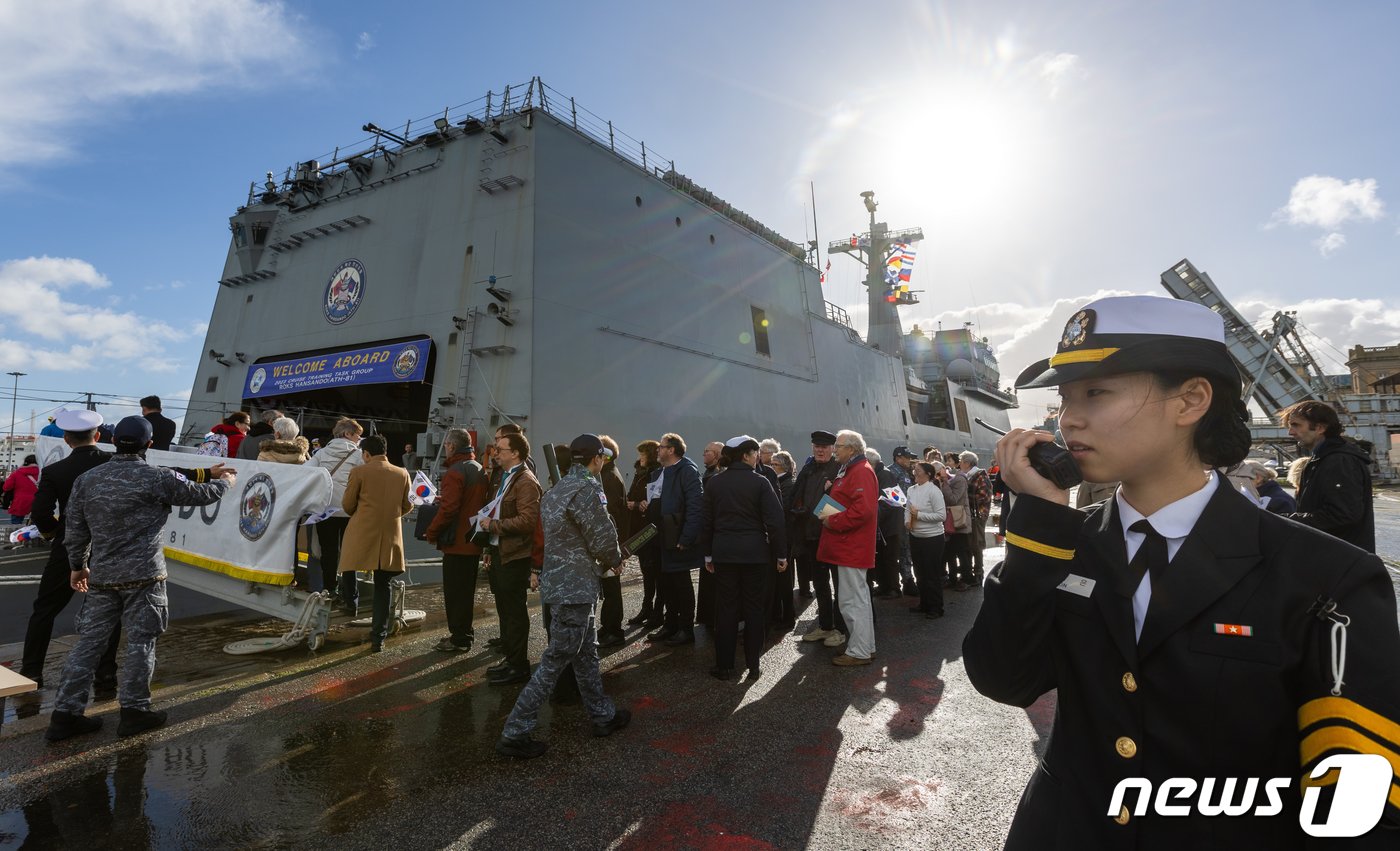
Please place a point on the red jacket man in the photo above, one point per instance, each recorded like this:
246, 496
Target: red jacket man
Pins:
848, 538
848, 542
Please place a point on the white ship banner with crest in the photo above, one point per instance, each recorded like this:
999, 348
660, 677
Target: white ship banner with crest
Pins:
250, 533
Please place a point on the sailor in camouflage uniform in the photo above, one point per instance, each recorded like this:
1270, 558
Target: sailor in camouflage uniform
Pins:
580, 545
120, 509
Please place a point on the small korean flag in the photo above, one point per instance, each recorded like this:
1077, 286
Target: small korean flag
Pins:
27, 533
894, 496
422, 491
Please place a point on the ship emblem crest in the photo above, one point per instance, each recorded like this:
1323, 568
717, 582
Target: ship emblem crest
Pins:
1077, 329
406, 362
255, 506
344, 291
256, 382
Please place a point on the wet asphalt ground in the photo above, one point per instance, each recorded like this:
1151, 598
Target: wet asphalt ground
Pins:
343, 749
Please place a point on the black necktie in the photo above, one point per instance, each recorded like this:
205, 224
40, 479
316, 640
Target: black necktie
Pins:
1151, 557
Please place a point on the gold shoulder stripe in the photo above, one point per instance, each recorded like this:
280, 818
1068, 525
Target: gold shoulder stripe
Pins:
1081, 356
1039, 548
1323, 708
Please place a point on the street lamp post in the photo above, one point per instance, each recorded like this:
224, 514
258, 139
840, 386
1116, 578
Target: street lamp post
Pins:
14, 397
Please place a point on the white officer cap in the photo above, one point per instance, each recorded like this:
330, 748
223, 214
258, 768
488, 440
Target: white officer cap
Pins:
1122, 334
737, 442
77, 420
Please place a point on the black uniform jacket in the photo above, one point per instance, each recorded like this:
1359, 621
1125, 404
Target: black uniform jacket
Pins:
812, 482
743, 522
163, 431
1335, 494
56, 484
1193, 698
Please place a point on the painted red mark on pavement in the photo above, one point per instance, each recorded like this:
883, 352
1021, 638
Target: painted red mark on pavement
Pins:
646, 701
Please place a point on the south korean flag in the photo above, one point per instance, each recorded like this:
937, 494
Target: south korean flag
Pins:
894, 496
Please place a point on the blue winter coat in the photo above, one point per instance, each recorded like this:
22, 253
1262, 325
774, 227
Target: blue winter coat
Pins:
1280, 500
681, 494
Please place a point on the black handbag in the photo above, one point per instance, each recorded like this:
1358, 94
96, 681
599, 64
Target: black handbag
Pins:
447, 535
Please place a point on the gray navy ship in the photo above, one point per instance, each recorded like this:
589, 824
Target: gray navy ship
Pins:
518, 259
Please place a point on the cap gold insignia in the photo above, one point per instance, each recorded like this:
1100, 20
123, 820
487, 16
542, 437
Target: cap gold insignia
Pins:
1077, 329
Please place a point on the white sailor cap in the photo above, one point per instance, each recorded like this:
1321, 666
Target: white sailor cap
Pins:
741, 444
1122, 334
79, 420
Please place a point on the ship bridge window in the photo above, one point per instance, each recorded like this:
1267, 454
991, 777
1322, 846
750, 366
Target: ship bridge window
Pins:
240, 239
260, 230
760, 332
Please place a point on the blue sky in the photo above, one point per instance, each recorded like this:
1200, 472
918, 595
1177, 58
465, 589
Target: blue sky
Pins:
1049, 151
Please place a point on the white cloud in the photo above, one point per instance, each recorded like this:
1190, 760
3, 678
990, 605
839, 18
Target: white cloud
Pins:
1059, 69
53, 327
1329, 203
1330, 243
363, 44
1333, 325
71, 62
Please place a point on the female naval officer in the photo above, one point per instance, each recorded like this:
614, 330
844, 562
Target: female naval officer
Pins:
1190, 635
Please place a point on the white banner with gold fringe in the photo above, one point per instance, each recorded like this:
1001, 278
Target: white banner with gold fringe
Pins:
249, 534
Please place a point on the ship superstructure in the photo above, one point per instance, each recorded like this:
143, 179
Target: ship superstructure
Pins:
519, 259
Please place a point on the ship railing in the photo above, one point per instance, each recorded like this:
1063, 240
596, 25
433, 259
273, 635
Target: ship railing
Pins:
838, 314
519, 99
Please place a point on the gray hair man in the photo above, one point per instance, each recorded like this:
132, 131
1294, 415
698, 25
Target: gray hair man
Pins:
848, 542
979, 503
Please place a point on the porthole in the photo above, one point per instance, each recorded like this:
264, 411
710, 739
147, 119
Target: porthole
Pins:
712, 239
638, 200
678, 221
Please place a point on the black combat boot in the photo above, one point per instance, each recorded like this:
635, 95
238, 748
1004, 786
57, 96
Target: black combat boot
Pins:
617, 722
521, 748
64, 725
137, 721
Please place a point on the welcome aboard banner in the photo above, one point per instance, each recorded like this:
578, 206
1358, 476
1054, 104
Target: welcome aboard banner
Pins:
250, 534
386, 364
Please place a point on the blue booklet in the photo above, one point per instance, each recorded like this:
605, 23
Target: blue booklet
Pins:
827, 507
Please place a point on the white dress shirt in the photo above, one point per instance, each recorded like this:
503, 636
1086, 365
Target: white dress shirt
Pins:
1174, 522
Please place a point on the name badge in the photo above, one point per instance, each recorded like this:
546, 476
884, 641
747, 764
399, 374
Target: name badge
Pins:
1083, 586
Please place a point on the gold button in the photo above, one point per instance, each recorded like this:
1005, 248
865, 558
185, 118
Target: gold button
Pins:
1129, 682
1122, 816
1127, 748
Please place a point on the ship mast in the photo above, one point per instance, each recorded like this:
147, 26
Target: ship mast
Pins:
872, 249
